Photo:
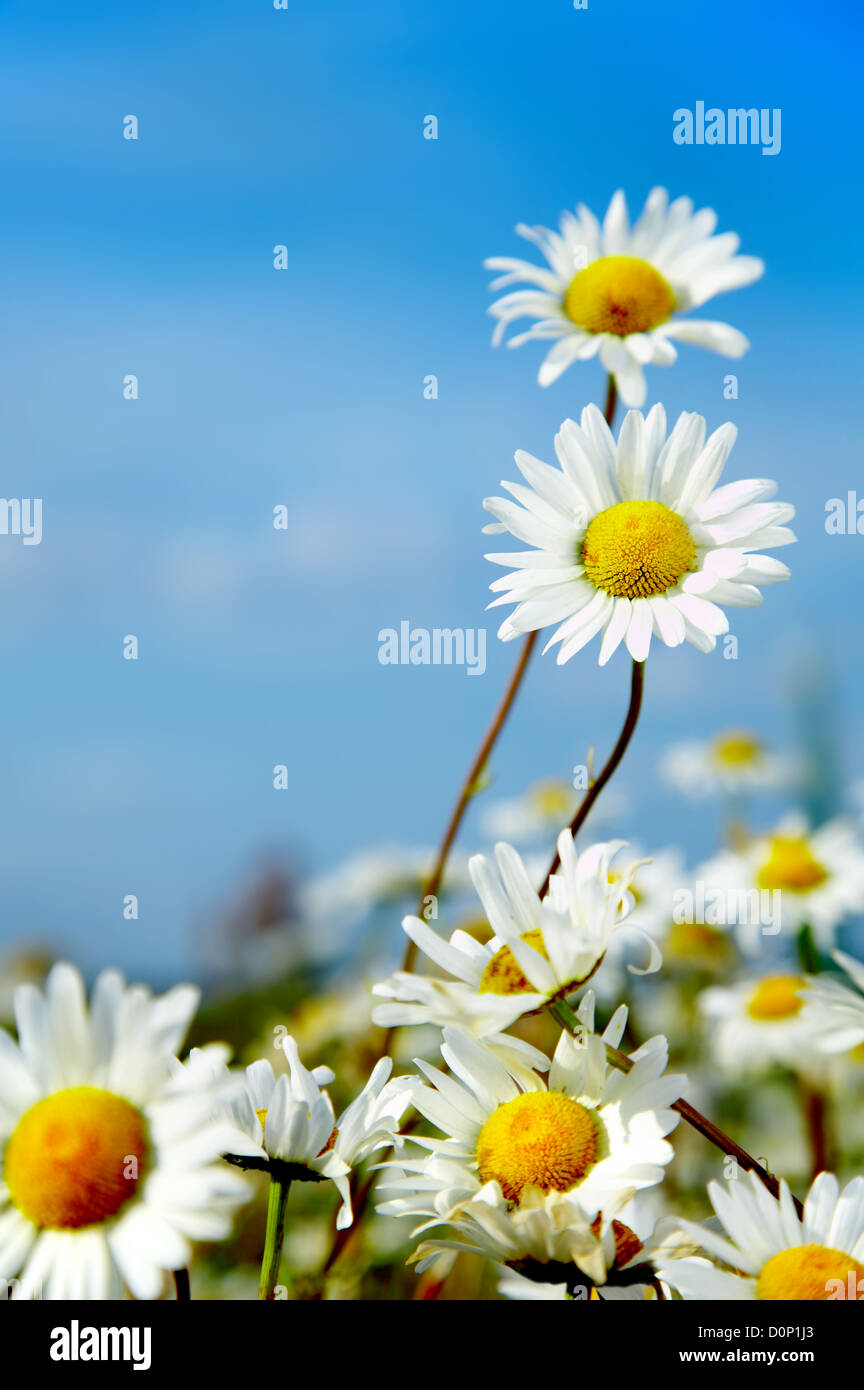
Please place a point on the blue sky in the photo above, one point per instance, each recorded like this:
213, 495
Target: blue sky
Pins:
305, 387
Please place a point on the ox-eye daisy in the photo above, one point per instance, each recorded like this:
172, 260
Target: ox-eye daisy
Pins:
540, 951
772, 1253
836, 1011
633, 538
110, 1162
733, 762
524, 1169
759, 1023
621, 291
290, 1118
810, 878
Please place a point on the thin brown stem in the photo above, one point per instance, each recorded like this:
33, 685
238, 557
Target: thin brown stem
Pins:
816, 1117
571, 1021
637, 686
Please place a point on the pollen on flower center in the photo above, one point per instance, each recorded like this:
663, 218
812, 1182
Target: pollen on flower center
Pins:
542, 1139
737, 749
776, 997
791, 865
75, 1158
637, 549
619, 295
503, 974
807, 1273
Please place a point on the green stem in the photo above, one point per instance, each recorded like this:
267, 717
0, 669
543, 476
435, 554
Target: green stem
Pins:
277, 1201
808, 951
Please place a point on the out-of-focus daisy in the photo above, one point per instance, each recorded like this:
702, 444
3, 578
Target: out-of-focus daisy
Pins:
814, 878
734, 762
835, 1011
622, 292
757, 1024
633, 538
522, 1172
769, 1252
291, 1118
543, 808
540, 950
110, 1166
652, 890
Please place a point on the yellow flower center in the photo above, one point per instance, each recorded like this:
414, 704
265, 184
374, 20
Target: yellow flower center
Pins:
552, 799
791, 866
805, 1274
776, 997
695, 942
620, 295
737, 750
637, 549
503, 974
75, 1158
542, 1139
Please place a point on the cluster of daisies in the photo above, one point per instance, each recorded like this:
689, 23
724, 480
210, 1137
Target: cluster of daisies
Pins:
116, 1152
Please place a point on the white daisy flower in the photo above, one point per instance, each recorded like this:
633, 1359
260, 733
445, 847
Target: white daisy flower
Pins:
632, 538
291, 1119
734, 762
759, 1023
523, 1170
836, 1011
110, 1165
543, 808
814, 878
540, 950
621, 292
771, 1253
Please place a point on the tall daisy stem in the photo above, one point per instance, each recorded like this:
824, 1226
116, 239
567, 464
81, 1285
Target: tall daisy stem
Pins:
570, 1020
277, 1202
469, 786
637, 686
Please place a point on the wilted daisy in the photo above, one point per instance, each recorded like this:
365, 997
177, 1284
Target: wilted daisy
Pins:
770, 1253
622, 292
540, 951
835, 1011
733, 762
759, 1023
523, 1170
110, 1164
633, 539
814, 878
291, 1118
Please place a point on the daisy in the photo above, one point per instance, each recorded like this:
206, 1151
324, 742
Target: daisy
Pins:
735, 761
523, 1170
837, 1012
540, 951
110, 1164
543, 808
291, 1119
621, 292
759, 1023
632, 538
769, 1252
814, 878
